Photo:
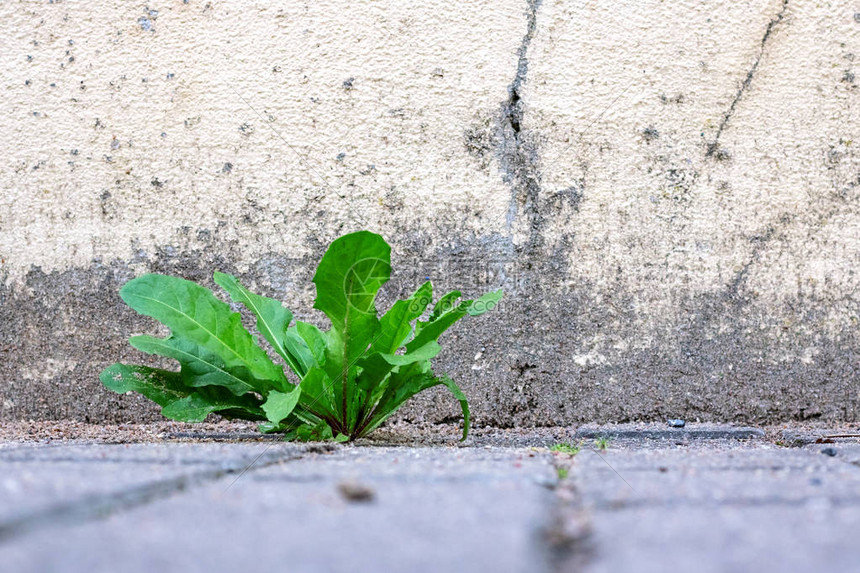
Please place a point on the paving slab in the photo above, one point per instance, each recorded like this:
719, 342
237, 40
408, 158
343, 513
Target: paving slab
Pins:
502, 502
355, 509
59, 483
761, 508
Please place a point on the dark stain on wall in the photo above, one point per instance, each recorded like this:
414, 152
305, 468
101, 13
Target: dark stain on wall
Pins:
727, 355
553, 353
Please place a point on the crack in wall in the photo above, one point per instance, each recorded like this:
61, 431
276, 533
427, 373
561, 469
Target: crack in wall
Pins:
760, 242
713, 149
516, 148
714, 146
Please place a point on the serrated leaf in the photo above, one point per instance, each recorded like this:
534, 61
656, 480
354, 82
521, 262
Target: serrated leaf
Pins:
272, 318
320, 432
192, 312
445, 304
199, 367
401, 385
396, 324
279, 405
160, 386
205, 401
314, 338
433, 330
426, 352
378, 365
405, 385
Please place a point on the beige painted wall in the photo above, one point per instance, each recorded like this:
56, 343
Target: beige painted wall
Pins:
672, 186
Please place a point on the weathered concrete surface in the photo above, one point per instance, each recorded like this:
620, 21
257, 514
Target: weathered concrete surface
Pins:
643, 504
431, 510
721, 509
665, 433
55, 485
668, 191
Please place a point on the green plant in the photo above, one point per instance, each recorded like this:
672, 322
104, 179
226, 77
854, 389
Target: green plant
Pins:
348, 380
562, 473
602, 442
570, 449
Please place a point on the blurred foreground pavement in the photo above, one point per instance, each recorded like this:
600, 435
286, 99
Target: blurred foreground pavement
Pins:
714, 499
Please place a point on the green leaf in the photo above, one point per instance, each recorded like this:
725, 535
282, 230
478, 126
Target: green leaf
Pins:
160, 386
445, 304
205, 401
401, 385
290, 423
199, 367
269, 428
433, 330
272, 318
317, 396
307, 344
193, 312
426, 352
314, 339
210, 399
188, 409
377, 366
280, 405
348, 279
406, 384
464, 403
320, 432
396, 324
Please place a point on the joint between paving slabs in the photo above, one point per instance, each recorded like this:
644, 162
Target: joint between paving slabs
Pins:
96, 506
567, 536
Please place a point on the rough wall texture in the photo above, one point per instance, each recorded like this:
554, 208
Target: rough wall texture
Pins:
668, 191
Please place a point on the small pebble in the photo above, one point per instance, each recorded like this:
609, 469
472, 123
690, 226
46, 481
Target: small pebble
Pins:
829, 452
353, 491
676, 423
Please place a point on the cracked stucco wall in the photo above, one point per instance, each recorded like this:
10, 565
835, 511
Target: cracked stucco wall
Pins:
668, 191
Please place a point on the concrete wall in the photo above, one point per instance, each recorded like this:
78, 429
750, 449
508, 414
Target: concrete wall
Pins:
669, 191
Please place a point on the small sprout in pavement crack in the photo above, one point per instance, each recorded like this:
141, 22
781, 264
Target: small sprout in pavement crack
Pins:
562, 473
602, 442
569, 449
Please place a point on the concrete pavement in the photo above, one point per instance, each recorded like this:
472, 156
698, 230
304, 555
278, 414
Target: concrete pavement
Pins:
656, 500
